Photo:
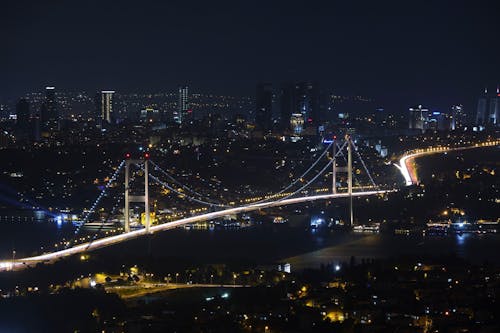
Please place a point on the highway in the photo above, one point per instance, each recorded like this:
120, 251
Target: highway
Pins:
22, 263
143, 289
410, 174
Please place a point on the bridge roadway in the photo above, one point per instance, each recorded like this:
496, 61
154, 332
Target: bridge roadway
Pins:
410, 174
21, 263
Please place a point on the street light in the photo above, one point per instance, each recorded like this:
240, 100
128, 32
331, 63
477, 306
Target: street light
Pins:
176, 276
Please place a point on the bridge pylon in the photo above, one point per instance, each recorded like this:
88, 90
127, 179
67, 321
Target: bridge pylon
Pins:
136, 198
347, 169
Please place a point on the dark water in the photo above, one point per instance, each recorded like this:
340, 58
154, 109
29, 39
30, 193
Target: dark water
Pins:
305, 248
25, 235
262, 244
472, 247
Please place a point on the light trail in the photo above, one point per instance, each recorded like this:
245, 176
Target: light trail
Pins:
409, 173
21, 263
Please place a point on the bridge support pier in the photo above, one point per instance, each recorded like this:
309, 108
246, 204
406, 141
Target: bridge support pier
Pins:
349, 178
146, 196
334, 168
347, 169
126, 211
136, 198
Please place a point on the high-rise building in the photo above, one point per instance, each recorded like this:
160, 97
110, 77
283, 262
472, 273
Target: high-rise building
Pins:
303, 98
481, 109
107, 106
494, 112
297, 123
418, 118
50, 98
264, 106
439, 121
183, 112
23, 113
48, 110
488, 109
459, 117
149, 115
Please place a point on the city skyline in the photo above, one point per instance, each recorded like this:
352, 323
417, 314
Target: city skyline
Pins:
398, 53
261, 166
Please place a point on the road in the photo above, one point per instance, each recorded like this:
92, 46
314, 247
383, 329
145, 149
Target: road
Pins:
22, 263
143, 289
408, 171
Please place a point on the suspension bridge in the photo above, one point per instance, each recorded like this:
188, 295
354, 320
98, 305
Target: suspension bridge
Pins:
339, 161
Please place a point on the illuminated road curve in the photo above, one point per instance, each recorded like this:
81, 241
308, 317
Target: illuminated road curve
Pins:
409, 173
111, 240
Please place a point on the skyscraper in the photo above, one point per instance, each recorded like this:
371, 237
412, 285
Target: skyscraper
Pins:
418, 118
481, 109
303, 98
488, 109
49, 112
494, 112
183, 112
459, 117
263, 105
23, 113
107, 106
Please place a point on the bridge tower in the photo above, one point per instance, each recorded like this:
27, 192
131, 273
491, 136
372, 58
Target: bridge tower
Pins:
136, 198
347, 169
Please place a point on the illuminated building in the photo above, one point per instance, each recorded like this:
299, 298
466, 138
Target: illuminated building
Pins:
303, 98
488, 109
494, 111
459, 117
439, 121
149, 115
183, 111
50, 100
418, 118
297, 123
107, 106
48, 110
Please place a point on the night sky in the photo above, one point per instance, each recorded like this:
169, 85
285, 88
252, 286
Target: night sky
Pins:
401, 53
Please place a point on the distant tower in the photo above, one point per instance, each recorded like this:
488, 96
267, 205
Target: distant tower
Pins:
459, 118
182, 105
23, 113
48, 110
303, 98
263, 104
418, 118
494, 112
481, 109
50, 99
107, 106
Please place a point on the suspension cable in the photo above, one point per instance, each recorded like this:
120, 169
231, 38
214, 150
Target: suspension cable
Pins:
356, 180
364, 165
187, 188
98, 200
298, 178
183, 194
94, 237
309, 182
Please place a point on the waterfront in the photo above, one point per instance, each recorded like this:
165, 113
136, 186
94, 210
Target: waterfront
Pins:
300, 246
271, 243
